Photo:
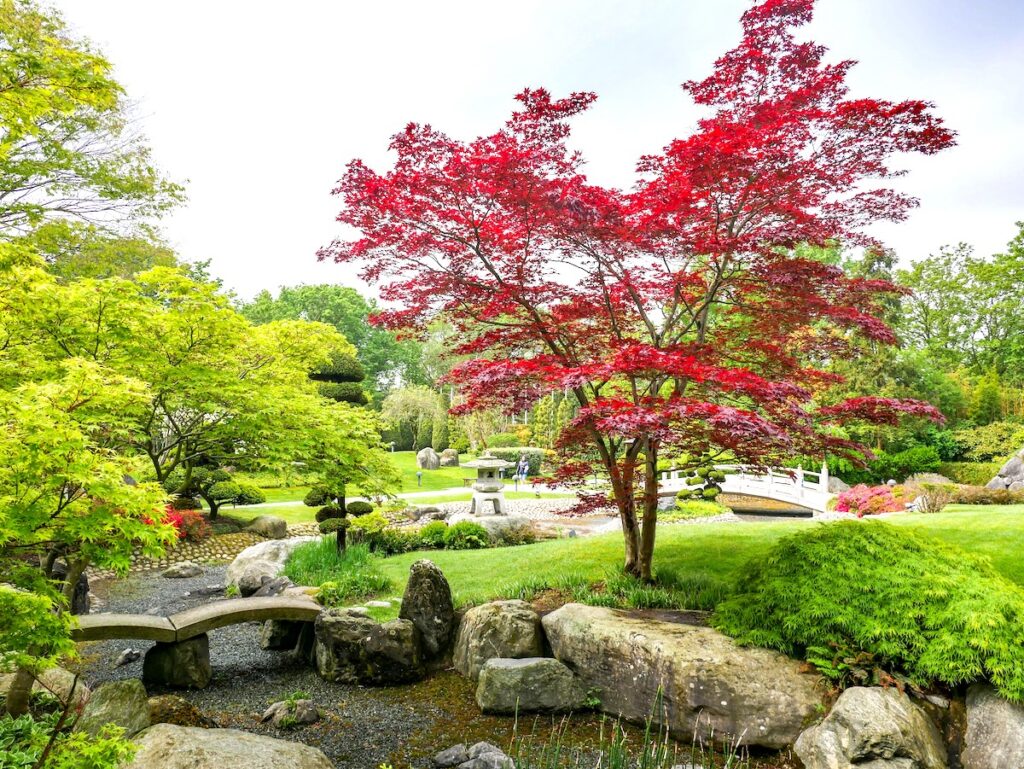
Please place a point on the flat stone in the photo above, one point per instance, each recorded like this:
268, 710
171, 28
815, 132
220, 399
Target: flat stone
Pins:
509, 686
379, 604
182, 570
453, 756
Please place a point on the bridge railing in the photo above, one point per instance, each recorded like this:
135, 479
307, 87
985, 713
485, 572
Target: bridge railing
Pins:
797, 477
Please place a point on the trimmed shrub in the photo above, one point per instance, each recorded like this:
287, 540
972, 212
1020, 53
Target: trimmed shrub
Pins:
502, 440
250, 495
689, 509
224, 491
534, 456
466, 535
332, 525
970, 473
317, 496
371, 523
329, 511
391, 541
866, 600
359, 508
348, 392
979, 495
432, 535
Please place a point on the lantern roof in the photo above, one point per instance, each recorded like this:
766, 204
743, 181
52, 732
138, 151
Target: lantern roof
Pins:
487, 462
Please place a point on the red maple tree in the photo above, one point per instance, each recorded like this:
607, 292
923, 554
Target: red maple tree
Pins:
681, 315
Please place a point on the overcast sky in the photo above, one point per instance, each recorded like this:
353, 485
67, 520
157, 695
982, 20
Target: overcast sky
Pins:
258, 106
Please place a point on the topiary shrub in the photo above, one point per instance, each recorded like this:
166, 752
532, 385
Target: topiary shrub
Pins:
250, 495
866, 600
432, 535
332, 525
317, 496
466, 535
329, 511
358, 508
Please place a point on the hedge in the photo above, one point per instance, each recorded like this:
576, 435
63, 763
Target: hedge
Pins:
970, 473
534, 456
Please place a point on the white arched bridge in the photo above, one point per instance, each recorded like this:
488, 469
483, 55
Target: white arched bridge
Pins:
794, 486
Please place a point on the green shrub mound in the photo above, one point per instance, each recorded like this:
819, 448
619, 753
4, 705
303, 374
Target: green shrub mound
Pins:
359, 508
466, 535
432, 535
248, 494
327, 512
850, 595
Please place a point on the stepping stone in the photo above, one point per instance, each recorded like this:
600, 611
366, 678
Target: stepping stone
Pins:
378, 604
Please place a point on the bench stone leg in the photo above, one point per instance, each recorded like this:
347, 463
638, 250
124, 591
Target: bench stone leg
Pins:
182, 664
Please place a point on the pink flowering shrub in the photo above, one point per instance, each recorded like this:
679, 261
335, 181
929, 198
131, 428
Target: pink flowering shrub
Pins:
869, 500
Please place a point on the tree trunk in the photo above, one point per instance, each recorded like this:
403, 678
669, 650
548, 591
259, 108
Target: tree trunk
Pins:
622, 490
341, 536
75, 569
20, 692
650, 517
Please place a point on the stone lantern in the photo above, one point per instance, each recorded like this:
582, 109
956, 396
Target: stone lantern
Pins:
489, 488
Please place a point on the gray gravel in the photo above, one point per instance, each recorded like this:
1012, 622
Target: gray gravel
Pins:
359, 727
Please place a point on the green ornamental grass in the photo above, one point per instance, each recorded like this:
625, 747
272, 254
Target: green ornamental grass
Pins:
916, 607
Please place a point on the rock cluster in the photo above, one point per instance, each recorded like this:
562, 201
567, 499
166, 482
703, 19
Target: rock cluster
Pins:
1011, 476
482, 755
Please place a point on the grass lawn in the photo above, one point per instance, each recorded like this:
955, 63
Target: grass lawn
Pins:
433, 480
696, 551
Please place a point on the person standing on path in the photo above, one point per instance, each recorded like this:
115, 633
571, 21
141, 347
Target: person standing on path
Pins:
523, 468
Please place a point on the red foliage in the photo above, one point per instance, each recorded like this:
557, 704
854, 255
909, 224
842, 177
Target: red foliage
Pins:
190, 525
869, 500
678, 314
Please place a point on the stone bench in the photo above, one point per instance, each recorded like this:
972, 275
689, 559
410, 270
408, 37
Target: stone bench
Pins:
181, 655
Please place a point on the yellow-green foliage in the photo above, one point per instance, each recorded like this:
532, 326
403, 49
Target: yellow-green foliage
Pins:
912, 605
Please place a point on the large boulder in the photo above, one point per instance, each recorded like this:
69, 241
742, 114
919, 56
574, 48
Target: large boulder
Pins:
166, 746
428, 459
871, 726
427, 603
509, 629
269, 526
449, 458
354, 649
264, 559
181, 664
122, 703
995, 731
709, 683
527, 685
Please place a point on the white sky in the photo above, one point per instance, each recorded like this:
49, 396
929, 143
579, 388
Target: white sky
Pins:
258, 105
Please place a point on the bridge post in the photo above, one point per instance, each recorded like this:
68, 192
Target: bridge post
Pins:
799, 483
823, 477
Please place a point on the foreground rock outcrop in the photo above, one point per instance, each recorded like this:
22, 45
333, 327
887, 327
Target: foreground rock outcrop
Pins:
351, 648
995, 731
1011, 475
873, 727
165, 746
507, 629
527, 685
753, 696
260, 562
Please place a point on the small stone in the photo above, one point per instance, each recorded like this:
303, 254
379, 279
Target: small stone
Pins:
126, 657
489, 761
285, 714
480, 748
272, 587
453, 756
378, 604
183, 570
